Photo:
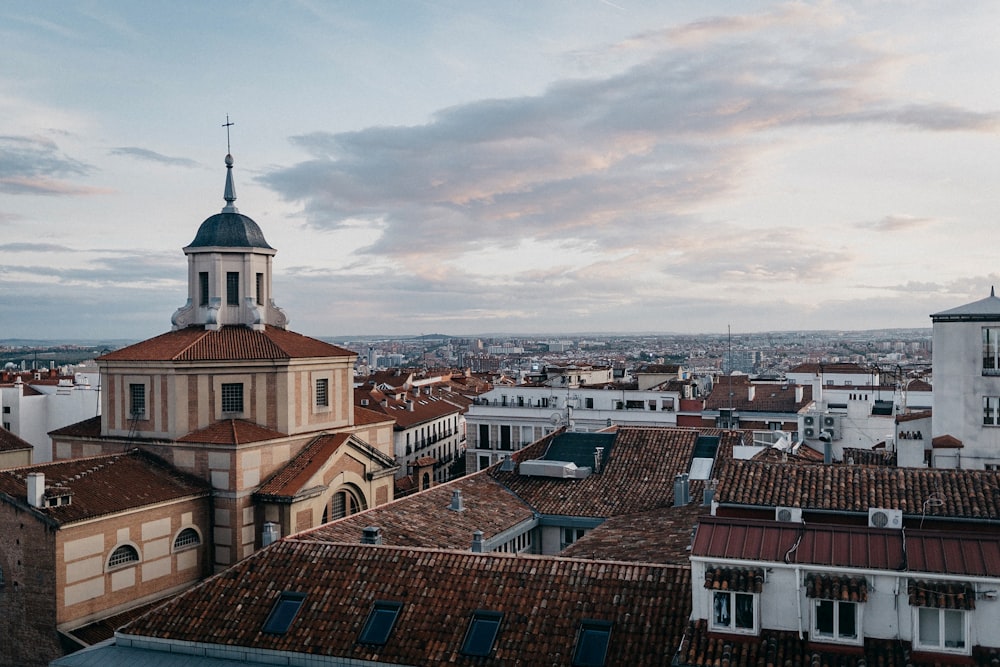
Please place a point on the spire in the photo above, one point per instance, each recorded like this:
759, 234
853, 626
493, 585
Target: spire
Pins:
230, 194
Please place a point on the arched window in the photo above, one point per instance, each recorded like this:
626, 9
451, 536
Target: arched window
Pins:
186, 539
124, 555
344, 503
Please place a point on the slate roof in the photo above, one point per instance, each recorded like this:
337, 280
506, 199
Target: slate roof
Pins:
229, 343
425, 520
638, 474
103, 485
961, 493
648, 605
767, 397
984, 310
229, 230
232, 432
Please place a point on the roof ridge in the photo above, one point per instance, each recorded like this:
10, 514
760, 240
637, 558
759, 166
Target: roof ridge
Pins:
187, 347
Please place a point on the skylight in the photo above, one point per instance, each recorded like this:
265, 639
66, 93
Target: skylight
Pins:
592, 644
482, 632
284, 612
380, 622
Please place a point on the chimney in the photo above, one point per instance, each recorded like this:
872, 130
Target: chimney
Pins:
709, 494
456, 501
371, 535
681, 490
598, 458
798, 393
36, 489
751, 390
271, 534
477, 542
409, 405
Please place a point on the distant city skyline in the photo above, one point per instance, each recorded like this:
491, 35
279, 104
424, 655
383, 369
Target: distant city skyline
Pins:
461, 167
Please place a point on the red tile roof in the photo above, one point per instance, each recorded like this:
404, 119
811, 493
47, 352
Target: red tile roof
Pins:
11, 443
638, 474
231, 432
103, 485
230, 343
767, 397
425, 520
88, 428
659, 536
366, 417
409, 411
543, 601
963, 493
289, 480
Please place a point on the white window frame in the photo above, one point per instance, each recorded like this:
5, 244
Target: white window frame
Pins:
123, 564
837, 638
939, 646
731, 626
991, 410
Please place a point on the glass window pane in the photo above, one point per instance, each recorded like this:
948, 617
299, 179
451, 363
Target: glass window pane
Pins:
283, 613
846, 616
233, 288
482, 631
928, 627
744, 610
380, 623
954, 628
720, 609
592, 645
824, 617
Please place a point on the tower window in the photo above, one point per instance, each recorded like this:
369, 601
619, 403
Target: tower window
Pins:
260, 289
233, 288
322, 393
137, 401
203, 288
232, 397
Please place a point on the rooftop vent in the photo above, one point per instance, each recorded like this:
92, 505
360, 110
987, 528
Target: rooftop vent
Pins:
456, 501
598, 458
558, 469
36, 489
477, 542
508, 464
371, 535
270, 534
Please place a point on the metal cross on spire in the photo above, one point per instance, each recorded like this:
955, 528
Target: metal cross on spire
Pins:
228, 125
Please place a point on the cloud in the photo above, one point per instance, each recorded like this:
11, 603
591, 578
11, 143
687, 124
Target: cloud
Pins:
29, 165
897, 223
33, 247
152, 156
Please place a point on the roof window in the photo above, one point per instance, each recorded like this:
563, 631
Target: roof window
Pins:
592, 643
381, 620
482, 632
284, 612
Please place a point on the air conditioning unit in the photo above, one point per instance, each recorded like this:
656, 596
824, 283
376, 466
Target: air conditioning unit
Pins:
788, 514
833, 424
883, 518
810, 432
809, 420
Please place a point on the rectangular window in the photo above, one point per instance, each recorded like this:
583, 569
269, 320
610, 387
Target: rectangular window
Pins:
322, 393
484, 436
941, 629
6, 409
203, 288
734, 612
484, 462
233, 288
991, 410
834, 620
232, 397
260, 289
380, 622
571, 535
482, 633
284, 612
505, 437
991, 351
592, 644
137, 401
588, 403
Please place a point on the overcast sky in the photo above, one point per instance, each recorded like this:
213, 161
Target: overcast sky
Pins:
464, 167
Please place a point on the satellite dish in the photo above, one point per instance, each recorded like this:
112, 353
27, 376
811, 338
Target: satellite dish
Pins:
555, 418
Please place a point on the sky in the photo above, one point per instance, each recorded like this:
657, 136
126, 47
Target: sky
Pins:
466, 167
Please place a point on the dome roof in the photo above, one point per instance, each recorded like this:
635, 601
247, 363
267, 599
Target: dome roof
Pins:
229, 230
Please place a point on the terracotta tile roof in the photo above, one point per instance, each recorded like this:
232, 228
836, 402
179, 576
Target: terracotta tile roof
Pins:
638, 474
290, 480
767, 397
103, 485
946, 441
230, 343
425, 520
772, 647
962, 493
366, 417
11, 443
438, 591
409, 411
231, 432
102, 629
659, 536
88, 428
841, 368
